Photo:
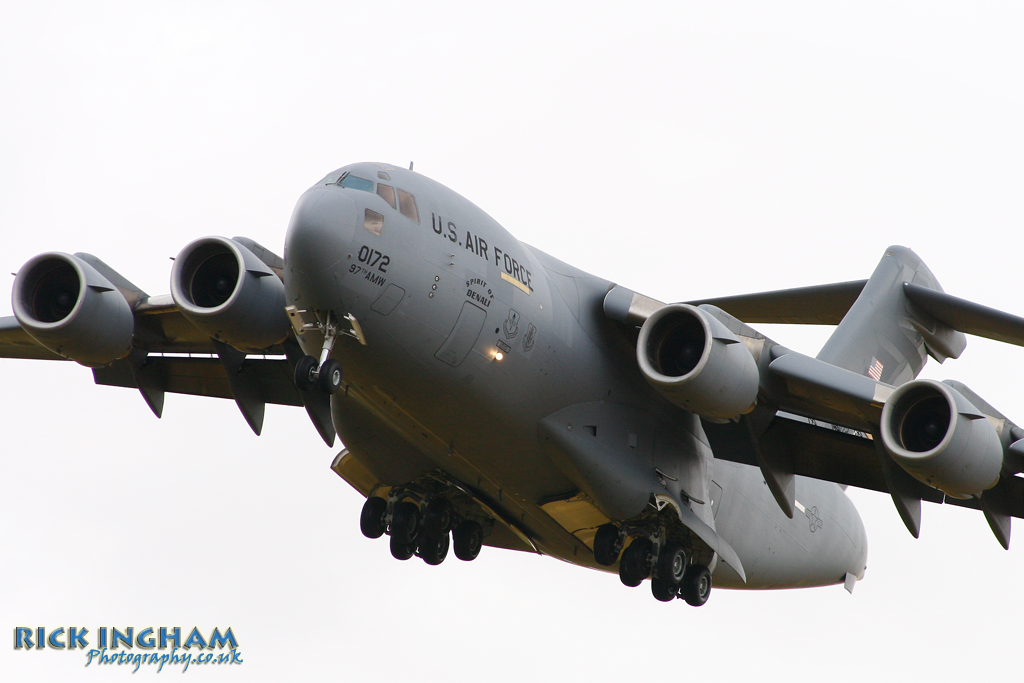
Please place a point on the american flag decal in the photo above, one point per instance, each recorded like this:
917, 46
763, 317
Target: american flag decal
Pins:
875, 371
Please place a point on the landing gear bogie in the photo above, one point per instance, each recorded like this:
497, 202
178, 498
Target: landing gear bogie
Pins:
425, 521
670, 564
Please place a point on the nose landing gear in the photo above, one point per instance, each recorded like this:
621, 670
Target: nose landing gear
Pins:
324, 373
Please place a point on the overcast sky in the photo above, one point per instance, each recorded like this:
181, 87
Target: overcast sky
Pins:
682, 150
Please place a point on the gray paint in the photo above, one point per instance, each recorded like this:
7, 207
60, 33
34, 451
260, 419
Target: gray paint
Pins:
564, 426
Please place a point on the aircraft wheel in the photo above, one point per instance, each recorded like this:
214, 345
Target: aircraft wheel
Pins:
437, 517
329, 379
696, 585
401, 550
373, 518
469, 538
433, 549
304, 370
635, 565
672, 563
663, 591
608, 544
404, 522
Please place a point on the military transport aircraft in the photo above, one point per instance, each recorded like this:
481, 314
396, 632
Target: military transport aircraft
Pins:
489, 394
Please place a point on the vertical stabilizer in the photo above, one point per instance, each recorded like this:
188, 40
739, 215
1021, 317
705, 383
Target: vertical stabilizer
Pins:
886, 338
883, 336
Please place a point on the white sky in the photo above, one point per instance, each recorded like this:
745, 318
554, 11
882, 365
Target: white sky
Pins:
682, 150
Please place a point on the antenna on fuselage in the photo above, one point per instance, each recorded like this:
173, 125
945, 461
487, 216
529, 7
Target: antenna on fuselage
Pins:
410, 165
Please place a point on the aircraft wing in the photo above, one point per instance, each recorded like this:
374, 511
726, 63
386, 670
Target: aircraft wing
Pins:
855, 414
817, 305
15, 342
168, 353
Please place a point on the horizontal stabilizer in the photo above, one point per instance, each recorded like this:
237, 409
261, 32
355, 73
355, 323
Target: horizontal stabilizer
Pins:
966, 316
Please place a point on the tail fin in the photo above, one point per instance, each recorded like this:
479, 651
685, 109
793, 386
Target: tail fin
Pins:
883, 335
887, 338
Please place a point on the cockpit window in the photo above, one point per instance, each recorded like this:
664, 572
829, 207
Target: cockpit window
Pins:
387, 193
407, 205
356, 183
373, 221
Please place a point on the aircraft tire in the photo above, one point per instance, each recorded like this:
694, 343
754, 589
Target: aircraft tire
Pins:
329, 379
635, 565
304, 373
402, 551
665, 592
405, 522
607, 544
468, 540
433, 549
696, 585
672, 563
437, 517
373, 517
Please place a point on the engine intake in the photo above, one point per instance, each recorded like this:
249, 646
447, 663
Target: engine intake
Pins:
697, 363
941, 438
226, 291
68, 307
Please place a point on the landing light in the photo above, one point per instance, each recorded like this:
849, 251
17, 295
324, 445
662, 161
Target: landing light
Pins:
499, 355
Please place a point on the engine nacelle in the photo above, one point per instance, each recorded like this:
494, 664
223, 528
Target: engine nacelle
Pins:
941, 438
68, 307
229, 293
697, 363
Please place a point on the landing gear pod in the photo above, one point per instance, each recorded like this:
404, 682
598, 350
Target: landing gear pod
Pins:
698, 364
941, 439
229, 293
68, 307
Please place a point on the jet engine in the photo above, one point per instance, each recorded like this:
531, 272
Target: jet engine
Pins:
941, 439
68, 307
697, 363
229, 293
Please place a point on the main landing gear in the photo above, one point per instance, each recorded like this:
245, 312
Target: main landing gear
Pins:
427, 530
665, 561
324, 373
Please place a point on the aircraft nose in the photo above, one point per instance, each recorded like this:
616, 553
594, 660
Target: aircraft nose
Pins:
320, 233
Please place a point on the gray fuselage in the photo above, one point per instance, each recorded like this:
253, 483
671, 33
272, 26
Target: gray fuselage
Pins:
479, 349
